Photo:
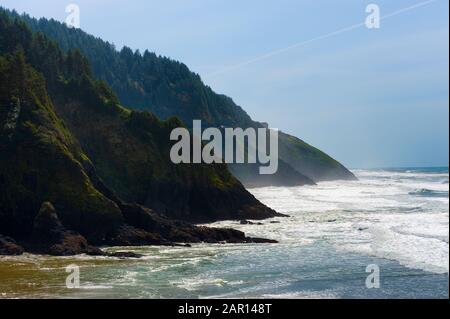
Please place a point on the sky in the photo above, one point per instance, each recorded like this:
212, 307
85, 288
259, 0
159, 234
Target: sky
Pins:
368, 97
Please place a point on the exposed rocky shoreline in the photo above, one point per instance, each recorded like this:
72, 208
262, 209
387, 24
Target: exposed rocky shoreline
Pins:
50, 237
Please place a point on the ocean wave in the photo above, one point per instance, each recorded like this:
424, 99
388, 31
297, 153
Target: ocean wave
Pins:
196, 283
429, 254
401, 216
429, 193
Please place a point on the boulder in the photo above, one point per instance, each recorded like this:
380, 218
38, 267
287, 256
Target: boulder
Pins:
247, 222
47, 227
8, 246
49, 236
125, 254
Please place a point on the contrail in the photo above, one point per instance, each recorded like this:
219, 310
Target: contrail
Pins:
325, 36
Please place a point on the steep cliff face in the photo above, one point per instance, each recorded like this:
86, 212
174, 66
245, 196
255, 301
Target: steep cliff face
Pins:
40, 161
131, 153
51, 198
88, 171
168, 88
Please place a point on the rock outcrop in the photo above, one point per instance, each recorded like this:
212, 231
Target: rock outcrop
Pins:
78, 170
49, 236
8, 246
131, 154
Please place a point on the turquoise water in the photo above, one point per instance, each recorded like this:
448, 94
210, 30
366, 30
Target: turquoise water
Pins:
395, 219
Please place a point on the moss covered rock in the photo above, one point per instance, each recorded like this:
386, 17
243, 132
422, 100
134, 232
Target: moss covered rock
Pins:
41, 161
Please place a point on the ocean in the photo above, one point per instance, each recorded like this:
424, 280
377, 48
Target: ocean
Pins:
396, 220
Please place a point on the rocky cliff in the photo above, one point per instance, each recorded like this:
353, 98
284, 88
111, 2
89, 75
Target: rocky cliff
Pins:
77, 169
168, 88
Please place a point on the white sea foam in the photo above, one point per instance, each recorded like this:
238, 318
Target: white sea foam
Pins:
379, 215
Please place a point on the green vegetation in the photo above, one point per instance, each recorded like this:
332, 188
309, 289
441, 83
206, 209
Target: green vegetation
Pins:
168, 88
41, 161
64, 139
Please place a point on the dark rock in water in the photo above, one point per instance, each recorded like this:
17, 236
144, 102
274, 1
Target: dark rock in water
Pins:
73, 244
261, 240
124, 254
8, 246
247, 222
132, 236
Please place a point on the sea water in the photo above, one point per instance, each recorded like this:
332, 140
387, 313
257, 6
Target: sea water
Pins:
395, 219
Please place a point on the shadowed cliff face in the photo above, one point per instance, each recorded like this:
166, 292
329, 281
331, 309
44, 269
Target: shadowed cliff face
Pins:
131, 153
52, 161
41, 161
52, 199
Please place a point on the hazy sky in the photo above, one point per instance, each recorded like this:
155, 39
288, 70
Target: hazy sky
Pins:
368, 97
